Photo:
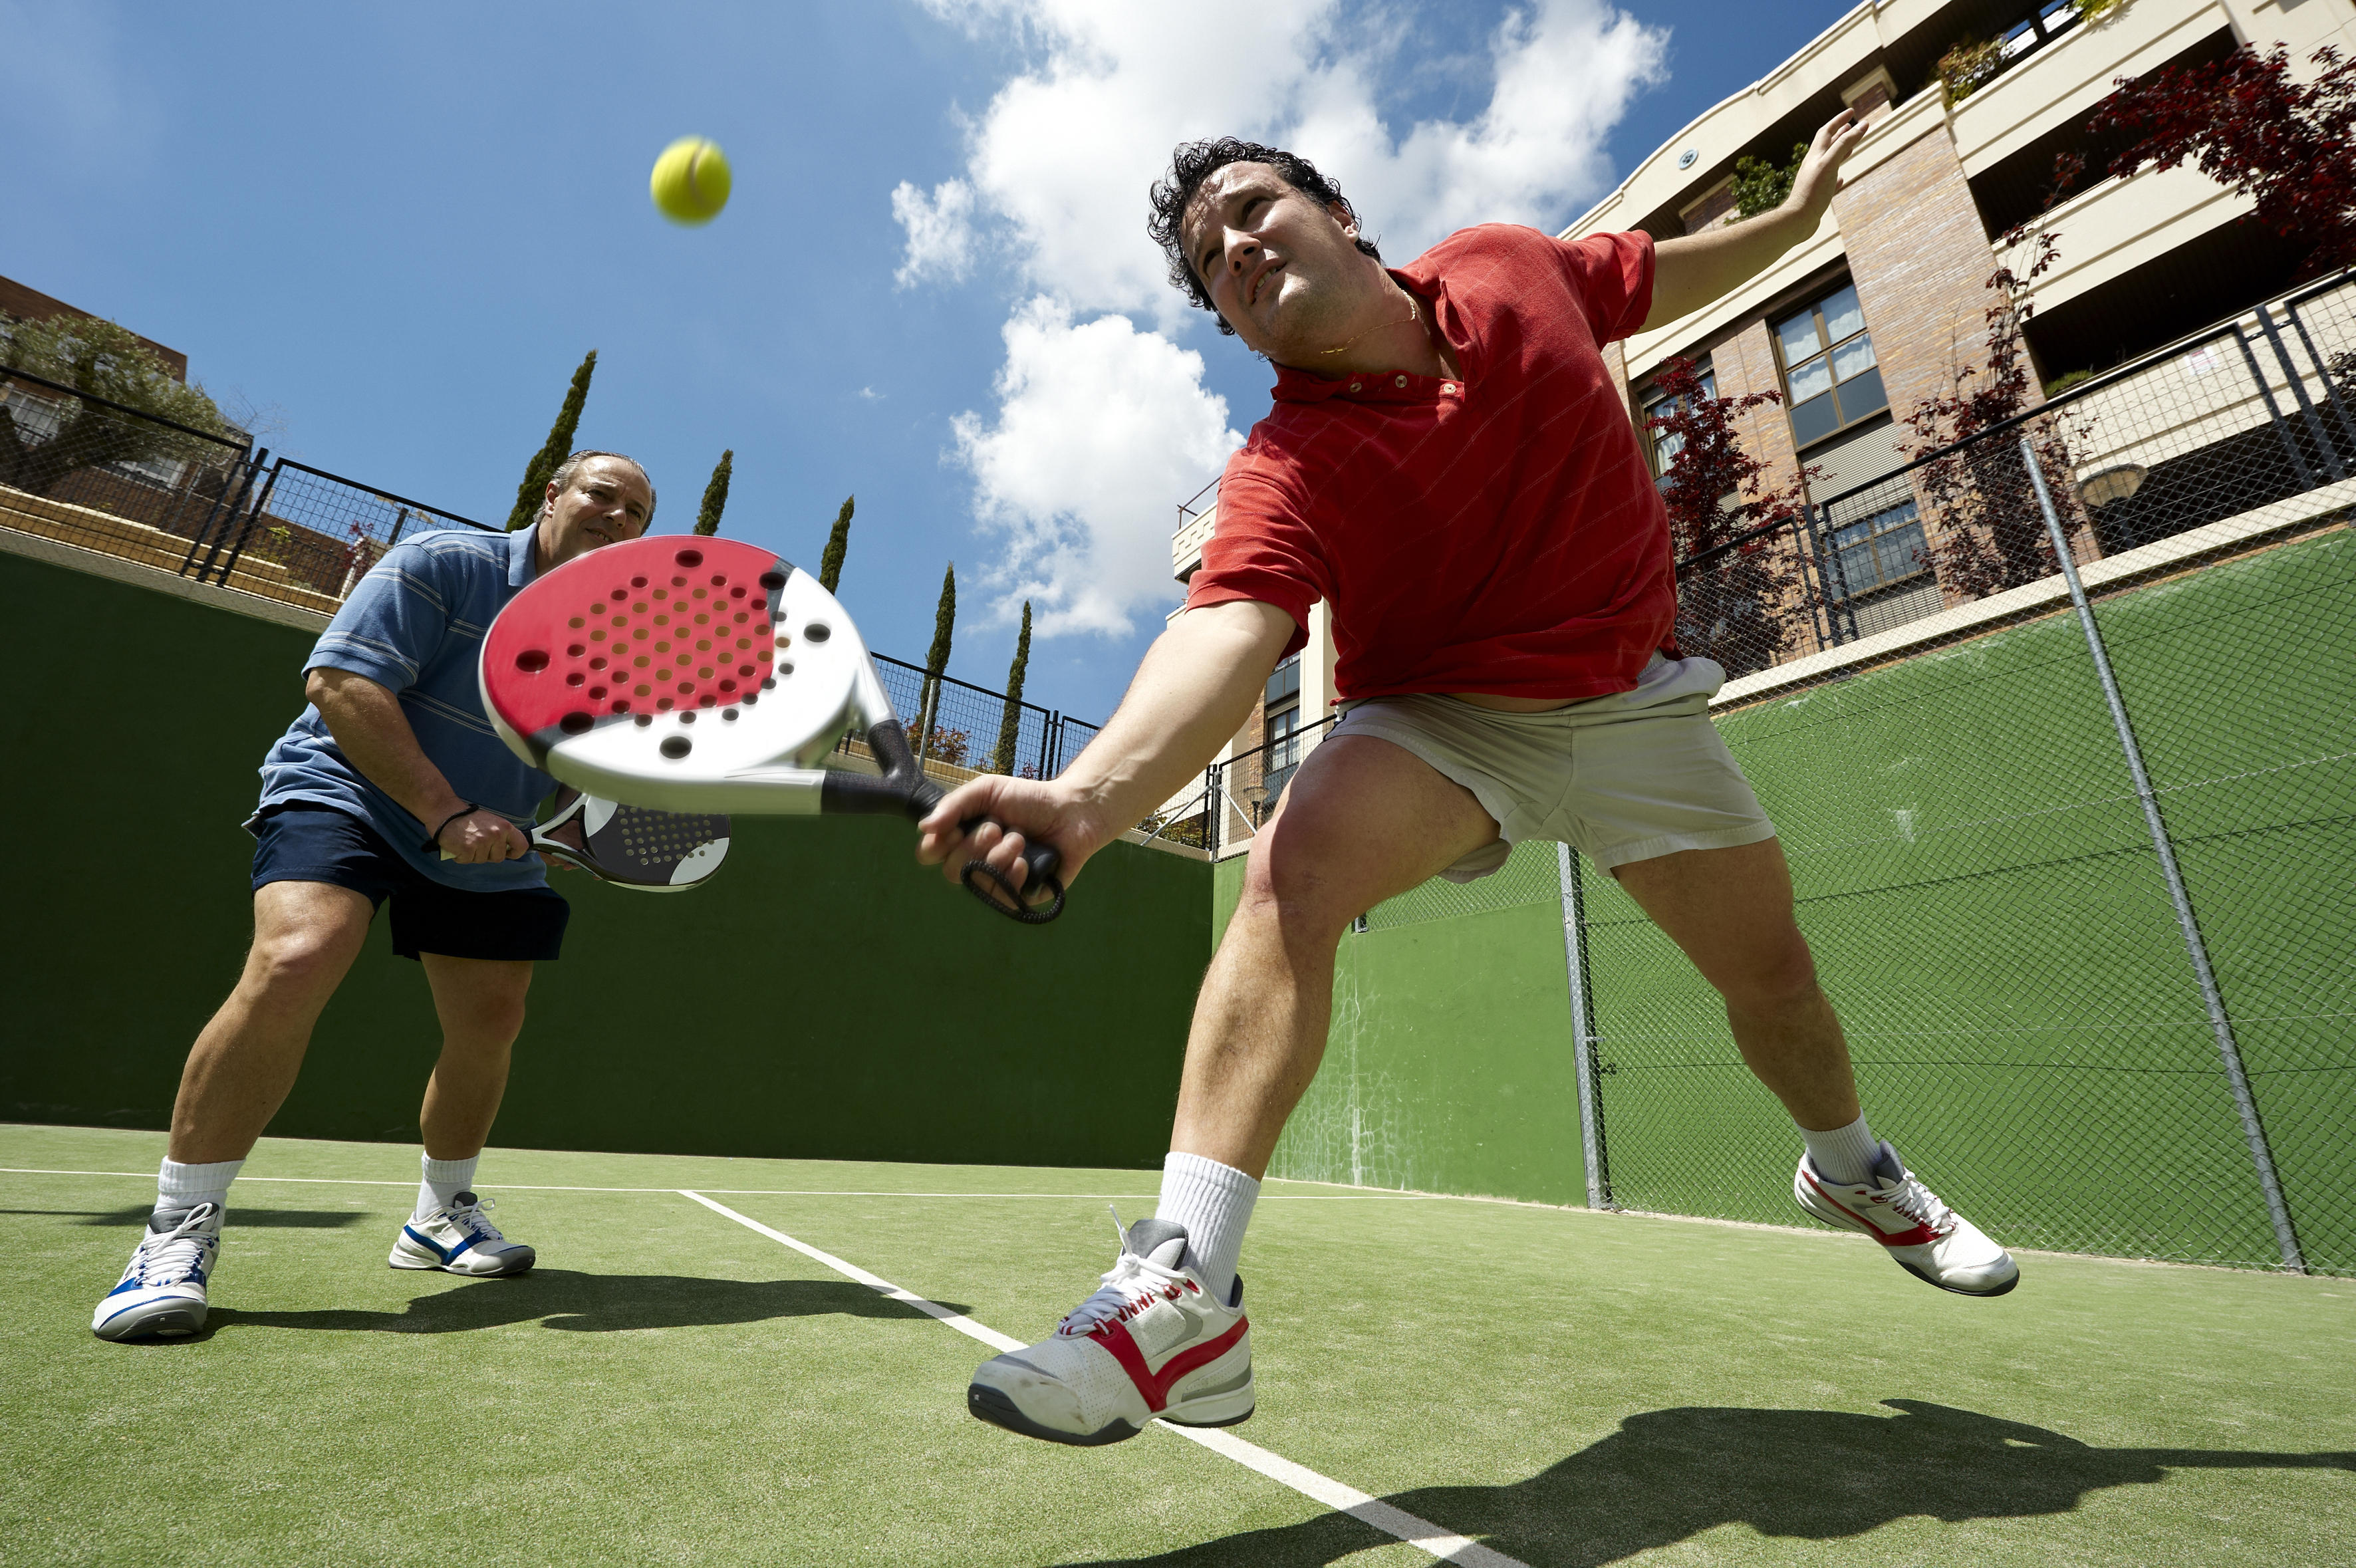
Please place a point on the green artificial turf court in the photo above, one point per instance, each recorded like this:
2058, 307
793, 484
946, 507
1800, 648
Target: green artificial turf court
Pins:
1563, 1387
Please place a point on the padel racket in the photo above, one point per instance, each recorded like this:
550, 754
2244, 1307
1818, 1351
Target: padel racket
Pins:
708, 675
629, 846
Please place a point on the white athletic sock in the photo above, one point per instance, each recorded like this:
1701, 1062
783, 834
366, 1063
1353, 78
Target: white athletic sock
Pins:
1844, 1154
444, 1180
179, 1187
1214, 1202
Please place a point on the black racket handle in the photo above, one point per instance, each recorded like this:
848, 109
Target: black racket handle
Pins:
1041, 860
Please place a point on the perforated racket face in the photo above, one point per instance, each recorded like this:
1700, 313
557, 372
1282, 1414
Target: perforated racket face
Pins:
664, 670
654, 851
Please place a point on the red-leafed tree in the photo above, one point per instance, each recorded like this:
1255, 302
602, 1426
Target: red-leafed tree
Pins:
1987, 532
2247, 124
1733, 601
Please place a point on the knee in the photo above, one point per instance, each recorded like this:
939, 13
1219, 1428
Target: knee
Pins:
489, 1023
1292, 898
296, 963
1779, 974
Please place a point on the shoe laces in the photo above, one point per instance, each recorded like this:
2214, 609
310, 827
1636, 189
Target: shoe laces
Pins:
171, 1257
1918, 1203
1132, 1286
470, 1218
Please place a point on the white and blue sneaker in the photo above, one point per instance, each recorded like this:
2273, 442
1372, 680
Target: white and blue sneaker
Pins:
460, 1239
1151, 1344
162, 1296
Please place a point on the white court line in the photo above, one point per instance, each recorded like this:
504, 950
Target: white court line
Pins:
1419, 1533
779, 1191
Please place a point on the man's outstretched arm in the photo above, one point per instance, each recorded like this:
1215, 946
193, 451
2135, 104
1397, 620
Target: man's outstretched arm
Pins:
1691, 272
1191, 693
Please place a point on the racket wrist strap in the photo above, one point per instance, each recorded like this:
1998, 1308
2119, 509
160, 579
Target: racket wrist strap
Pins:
433, 839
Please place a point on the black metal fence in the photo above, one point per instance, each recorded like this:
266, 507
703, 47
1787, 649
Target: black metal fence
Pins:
2246, 414
86, 471
955, 723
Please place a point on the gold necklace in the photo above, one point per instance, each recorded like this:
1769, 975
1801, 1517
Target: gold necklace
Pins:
1414, 314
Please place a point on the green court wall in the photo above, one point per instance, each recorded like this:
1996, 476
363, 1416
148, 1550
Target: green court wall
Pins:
824, 996
1976, 876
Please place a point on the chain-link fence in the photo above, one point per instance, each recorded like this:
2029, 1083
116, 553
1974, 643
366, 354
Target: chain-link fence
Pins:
2073, 848
86, 471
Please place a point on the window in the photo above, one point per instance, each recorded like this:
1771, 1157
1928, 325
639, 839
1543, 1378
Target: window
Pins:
1658, 404
1877, 551
1280, 710
1831, 379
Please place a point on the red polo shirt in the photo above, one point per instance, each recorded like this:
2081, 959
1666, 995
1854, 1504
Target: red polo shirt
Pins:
1501, 533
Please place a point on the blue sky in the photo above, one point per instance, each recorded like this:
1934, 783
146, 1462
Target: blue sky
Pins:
394, 232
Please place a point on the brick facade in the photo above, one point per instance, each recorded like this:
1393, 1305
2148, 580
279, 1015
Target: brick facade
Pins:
1920, 258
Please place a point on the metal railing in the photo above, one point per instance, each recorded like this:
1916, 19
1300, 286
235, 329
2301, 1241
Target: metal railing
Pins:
86, 471
1239, 793
2236, 418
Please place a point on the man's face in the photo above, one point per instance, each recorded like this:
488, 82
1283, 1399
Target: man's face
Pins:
608, 501
1283, 271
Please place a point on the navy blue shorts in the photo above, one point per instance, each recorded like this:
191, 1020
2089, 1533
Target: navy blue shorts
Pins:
318, 844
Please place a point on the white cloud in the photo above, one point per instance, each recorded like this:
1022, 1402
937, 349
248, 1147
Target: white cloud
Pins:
1055, 181
939, 229
1100, 428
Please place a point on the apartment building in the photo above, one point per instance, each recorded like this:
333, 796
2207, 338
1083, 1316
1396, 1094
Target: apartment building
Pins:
1876, 313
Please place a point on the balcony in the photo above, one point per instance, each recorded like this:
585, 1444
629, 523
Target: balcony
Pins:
2042, 91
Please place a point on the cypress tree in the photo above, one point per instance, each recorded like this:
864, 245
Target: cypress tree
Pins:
554, 451
937, 660
830, 567
1010, 726
716, 494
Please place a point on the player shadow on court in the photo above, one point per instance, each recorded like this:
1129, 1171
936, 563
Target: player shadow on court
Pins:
262, 1219
586, 1304
1669, 1474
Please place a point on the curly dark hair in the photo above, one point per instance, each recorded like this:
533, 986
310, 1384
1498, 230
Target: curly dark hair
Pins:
1192, 163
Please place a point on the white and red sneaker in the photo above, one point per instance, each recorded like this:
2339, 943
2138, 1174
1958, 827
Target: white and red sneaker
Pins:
1927, 1238
1151, 1343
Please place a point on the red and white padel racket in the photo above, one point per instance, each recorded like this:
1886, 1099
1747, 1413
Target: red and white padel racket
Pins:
709, 675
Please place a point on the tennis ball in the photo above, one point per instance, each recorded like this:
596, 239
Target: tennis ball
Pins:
690, 181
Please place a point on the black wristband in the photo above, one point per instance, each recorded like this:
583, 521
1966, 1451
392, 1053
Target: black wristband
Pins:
433, 839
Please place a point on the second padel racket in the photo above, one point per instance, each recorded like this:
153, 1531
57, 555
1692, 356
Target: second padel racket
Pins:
708, 675
630, 846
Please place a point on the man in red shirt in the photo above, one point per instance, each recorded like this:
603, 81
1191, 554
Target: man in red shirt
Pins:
1450, 468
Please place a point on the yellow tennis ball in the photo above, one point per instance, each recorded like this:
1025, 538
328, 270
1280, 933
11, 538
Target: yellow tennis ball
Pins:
690, 181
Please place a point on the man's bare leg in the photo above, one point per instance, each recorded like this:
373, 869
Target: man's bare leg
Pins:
305, 935
1362, 822
1730, 912
480, 1005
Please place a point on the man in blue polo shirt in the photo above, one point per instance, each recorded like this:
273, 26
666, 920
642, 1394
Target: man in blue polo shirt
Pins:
393, 785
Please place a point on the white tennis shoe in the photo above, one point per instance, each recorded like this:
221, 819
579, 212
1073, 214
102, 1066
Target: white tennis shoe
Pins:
1149, 1344
1926, 1238
460, 1239
162, 1296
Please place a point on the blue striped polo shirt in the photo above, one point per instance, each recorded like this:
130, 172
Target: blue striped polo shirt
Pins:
415, 626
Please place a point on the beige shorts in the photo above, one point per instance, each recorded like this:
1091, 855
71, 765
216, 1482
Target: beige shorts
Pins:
1630, 776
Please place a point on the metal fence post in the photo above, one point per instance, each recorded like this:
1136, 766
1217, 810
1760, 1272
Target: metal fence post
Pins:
2220, 1025
2274, 410
244, 487
1582, 1030
261, 510
2332, 462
